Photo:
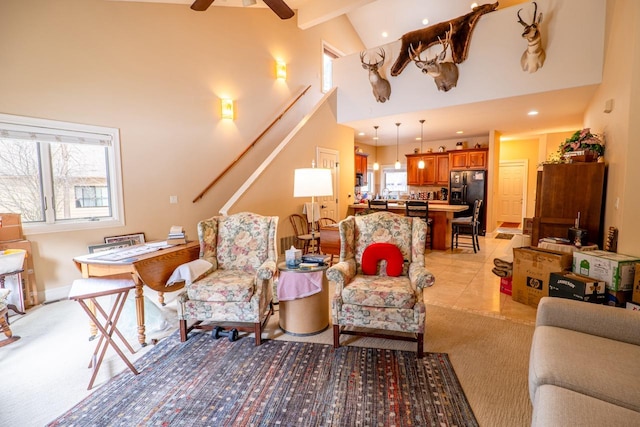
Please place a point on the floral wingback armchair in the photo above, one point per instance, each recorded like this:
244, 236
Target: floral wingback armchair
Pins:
238, 287
380, 301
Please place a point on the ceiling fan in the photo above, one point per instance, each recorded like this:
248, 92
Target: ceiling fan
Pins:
278, 6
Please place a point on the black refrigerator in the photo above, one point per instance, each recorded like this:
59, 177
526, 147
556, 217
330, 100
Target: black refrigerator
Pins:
465, 187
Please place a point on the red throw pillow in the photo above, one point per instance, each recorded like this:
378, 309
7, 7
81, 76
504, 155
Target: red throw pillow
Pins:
376, 252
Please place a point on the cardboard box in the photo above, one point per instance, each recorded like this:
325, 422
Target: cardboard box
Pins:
635, 297
617, 270
574, 286
532, 268
28, 276
618, 298
10, 227
506, 285
633, 307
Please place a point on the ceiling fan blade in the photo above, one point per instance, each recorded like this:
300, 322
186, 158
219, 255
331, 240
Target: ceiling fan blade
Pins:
280, 8
201, 5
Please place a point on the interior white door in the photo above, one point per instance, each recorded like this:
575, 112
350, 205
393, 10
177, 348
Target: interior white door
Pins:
327, 158
512, 189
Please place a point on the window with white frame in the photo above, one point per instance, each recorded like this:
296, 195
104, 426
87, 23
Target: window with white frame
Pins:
328, 55
394, 180
60, 176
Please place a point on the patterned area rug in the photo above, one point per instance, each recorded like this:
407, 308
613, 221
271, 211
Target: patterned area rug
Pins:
207, 382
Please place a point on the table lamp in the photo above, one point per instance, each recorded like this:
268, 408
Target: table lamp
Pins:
312, 182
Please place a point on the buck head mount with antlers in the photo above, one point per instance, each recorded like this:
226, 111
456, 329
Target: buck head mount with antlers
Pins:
380, 86
534, 56
445, 74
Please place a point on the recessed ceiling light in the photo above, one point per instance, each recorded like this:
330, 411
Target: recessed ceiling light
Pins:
425, 21
460, 131
361, 133
385, 34
474, 4
532, 113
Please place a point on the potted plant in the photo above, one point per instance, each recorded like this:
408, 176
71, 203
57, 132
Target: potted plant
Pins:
582, 146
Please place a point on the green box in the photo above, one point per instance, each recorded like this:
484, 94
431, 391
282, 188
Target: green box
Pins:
616, 270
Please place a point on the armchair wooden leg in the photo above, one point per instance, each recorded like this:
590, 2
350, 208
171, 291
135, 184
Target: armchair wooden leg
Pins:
420, 345
183, 330
336, 336
258, 333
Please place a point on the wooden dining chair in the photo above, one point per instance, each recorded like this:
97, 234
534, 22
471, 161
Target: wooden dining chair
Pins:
301, 230
420, 209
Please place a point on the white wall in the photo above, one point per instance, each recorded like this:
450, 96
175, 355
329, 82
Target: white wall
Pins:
574, 33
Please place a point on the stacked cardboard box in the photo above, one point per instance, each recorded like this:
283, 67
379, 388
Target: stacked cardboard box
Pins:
11, 237
574, 286
532, 268
616, 270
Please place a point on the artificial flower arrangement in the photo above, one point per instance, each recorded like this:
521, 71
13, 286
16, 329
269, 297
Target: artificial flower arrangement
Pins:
585, 141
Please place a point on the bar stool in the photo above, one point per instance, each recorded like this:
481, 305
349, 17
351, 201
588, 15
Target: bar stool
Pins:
90, 289
467, 227
382, 205
420, 209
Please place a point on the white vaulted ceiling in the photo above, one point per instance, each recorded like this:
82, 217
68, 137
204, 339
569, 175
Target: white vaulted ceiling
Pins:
560, 110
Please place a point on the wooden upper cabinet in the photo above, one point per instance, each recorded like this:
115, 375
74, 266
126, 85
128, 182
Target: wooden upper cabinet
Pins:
475, 158
361, 166
435, 172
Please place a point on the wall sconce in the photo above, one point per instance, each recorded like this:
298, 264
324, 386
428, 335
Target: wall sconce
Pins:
281, 70
227, 109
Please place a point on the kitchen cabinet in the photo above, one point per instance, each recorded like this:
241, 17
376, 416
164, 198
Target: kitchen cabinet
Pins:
474, 158
361, 167
435, 172
563, 191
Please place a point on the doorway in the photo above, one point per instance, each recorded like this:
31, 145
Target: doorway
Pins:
512, 190
329, 204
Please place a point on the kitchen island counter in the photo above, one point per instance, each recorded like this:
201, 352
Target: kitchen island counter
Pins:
440, 212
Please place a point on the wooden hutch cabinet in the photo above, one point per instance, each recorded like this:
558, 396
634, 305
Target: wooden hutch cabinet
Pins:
435, 172
361, 166
562, 191
473, 158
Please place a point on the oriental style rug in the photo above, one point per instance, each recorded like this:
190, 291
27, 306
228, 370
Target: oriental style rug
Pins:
207, 382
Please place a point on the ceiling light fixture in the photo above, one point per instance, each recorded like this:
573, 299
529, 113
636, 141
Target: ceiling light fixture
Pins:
532, 113
460, 132
421, 162
385, 34
474, 5
397, 165
376, 165
425, 21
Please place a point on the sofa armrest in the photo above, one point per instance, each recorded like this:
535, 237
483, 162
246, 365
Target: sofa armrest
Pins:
419, 276
267, 270
593, 319
342, 273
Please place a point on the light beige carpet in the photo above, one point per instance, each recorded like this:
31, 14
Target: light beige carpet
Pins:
45, 373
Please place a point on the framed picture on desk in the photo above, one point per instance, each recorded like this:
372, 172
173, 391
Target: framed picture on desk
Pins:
108, 246
137, 238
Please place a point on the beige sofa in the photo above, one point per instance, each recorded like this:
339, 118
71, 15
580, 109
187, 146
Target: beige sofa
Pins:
584, 368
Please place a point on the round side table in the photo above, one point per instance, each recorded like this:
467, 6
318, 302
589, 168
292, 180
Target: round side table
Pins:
306, 315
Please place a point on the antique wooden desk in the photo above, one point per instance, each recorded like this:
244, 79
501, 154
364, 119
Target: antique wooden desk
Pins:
152, 269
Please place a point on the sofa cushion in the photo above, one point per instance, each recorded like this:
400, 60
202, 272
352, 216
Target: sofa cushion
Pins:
605, 369
556, 406
376, 252
223, 286
380, 291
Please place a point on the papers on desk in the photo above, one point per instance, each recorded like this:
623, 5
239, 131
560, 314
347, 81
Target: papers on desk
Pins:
130, 253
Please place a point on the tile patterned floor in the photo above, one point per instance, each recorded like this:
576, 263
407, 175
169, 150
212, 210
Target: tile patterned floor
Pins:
464, 281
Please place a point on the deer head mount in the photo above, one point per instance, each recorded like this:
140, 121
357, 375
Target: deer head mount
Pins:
445, 74
461, 29
534, 56
380, 86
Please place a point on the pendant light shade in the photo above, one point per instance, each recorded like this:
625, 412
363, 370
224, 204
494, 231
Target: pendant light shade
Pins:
397, 165
421, 162
376, 165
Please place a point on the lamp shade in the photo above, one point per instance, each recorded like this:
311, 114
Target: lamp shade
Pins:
312, 182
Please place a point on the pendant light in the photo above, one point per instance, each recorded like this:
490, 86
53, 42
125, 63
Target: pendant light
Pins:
421, 162
376, 165
397, 165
